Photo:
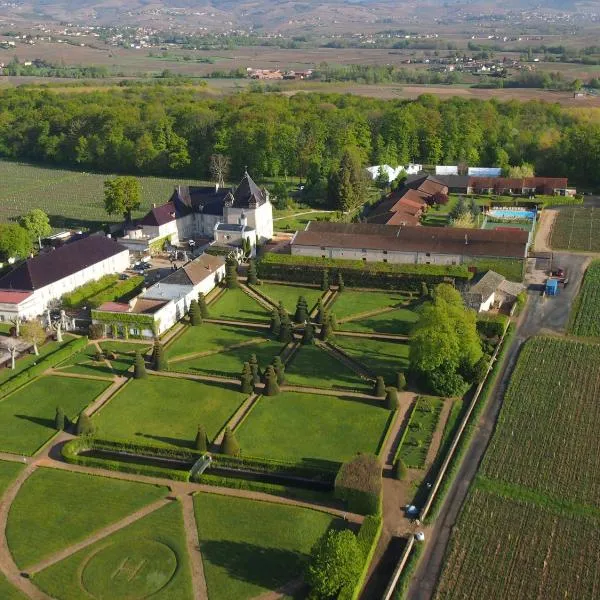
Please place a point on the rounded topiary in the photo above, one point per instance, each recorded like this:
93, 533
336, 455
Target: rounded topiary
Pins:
301, 314
271, 385
379, 389
340, 281
252, 276
255, 369
275, 326
279, 369
195, 314
285, 333
139, 368
424, 290
202, 305
230, 445
247, 379
84, 425
59, 419
159, 360
320, 312
333, 321
400, 381
308, 336
326, 331
391, 398
201, 442
400, 470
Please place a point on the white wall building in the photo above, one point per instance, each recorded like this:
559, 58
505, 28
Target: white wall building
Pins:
28, 289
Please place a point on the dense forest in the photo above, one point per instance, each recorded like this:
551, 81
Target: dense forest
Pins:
154, 129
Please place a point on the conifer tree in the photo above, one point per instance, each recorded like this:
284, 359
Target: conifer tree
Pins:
279, 369
379, 389
84, 425
230, 445
320, 312
159, 361
286, 333
325, 280
255, 369
340, 281
308, 337
275, 326
231, 274
59, 419
139, 369
202, 304
195, 314
201, 442
271, 385
252, 277
301, 310
325, 330
247, 379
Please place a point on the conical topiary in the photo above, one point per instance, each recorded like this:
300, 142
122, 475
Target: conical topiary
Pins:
379, 390
84, 425
399, 470
282, 312
255, 369
195, 314
275, 322
340, 281
159, 361
203, 307
326, 330
285, 333
279, 369
333, 321
230, 445
400, 380
424, 290
301, 314
325, 280
271, 385
391, 398
59, 419
139, 367
247, 379
308, 337
231, 275
201, 442
320, 312
252, 276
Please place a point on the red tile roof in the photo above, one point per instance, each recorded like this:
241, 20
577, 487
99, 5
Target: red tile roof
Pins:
12, 297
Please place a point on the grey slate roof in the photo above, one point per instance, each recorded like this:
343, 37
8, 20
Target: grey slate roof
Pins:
487, 285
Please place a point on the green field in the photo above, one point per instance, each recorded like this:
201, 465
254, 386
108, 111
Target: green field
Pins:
229, 362
381, 358
289, 294
145, 559
399, 322
586, 321
312, 366
210, 337
351, 303
23, 185
576, 229
27, 415
236, 305
512, 269
167, 411
297, 426
83, 363
299, 221
250, 548
55, 509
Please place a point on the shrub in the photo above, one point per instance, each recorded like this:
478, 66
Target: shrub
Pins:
391, 398
325, 330
247, 379
399, 469
340, 281
255, 368
308, 336
201, 442
379, 389
424, 290
333, 321
231, 275
320, 312
139, 370
159, 360
230, 445
279, 368
285, 333
271, 385
96, 331
202, 304
252, 277
325, 280
359, 484
195, 314
275, 326
492, 325
301, 314
59, 419
84, 425
400, 381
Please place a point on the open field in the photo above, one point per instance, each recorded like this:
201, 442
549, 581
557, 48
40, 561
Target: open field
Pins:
70, 198
289, 294
351, 303
586, 321
155, 543
53, 510
551, 403
503, 548
167, 411
399, 321
576, 229
295, 426
235, 305
249, 547
312, 366
381, 358
27, 415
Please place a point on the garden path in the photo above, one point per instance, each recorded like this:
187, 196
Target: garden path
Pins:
193, 547
235, 420
58, 373
544, 230
286, 590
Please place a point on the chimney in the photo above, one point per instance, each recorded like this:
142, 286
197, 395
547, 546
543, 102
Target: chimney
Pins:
466, 239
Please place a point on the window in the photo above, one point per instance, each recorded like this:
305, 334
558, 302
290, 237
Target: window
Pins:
322, 256
385, 260
364, 259
385, 251
428, 254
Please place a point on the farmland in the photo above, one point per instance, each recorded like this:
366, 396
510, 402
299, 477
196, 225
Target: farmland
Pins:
576, 229
586, 320
70, 198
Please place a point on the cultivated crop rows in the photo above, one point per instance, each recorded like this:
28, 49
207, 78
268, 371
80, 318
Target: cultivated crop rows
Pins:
577, 229
547, 433
502, 548
70, 198
587, 318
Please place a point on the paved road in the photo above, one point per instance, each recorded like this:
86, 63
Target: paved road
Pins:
551, 315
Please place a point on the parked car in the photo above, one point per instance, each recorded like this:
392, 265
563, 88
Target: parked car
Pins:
557, 273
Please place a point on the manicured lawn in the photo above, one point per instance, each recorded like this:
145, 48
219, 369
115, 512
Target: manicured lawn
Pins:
154, 545
512, 269
55, 509
296, 426
230, 362
399, 321
420, 431
167, 411
294, 223
210, 337
83, 363
8, 472
236, 305
289, 294
354, 302
27, 416
250, 548
313, 367
27, 360
126, 348
382, 358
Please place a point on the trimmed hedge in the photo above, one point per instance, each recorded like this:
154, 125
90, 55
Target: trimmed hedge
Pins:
359, 484
47, 362
308, 269
123, 290
409, 568
80, 295
492, 325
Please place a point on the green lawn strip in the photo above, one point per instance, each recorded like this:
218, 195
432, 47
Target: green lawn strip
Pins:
312, 366
356, 302
289, 294
155, 544
167, 411
381, 358
296, 426
294, 223
124, 348
26, 361
399, 322
230, 361
517, 492
250, 547
512, 269
236, 305
55, 509
5, 328
27, 415
8, 592
210, 337
83, 363
421, 428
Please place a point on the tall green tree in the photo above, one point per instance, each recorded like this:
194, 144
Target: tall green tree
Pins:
301, 314
252, 277
231, 274
203, 307
15, 241
36, 223
122, 195
139, 368
347, 184
195, 314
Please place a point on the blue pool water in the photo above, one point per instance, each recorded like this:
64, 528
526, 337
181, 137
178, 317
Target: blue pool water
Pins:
503, 213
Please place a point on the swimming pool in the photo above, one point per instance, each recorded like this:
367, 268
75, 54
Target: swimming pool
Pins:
505, 213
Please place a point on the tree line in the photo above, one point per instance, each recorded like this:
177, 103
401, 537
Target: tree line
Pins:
164, 130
